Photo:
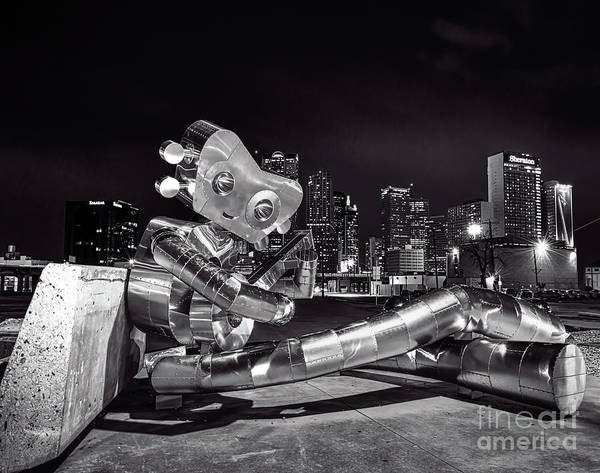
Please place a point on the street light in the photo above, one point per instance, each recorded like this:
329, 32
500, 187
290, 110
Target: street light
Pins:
541, 247
474, 230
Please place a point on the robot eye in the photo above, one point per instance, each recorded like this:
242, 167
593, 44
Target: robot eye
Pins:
263, 210
223, 183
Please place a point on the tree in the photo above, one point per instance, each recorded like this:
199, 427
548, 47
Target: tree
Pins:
482, 252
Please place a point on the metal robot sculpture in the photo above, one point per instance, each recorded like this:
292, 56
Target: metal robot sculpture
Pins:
182, 286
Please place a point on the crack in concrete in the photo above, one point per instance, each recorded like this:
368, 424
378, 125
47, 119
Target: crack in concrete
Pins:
389, 429
83, 278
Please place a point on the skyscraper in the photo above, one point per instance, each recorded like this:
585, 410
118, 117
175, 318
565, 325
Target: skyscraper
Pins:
319, 218
350, 242
557, 223
326, 245
345, 221
319, 199
461, 217
404, 224
418, 215
100, 232
395, 207
437, 245
286, 165
338, 213
515, 194
373, 253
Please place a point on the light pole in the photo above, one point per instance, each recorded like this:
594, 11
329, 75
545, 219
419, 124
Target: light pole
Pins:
492, 256
542, 248
474, 230
435, 266
456, 261
322, 278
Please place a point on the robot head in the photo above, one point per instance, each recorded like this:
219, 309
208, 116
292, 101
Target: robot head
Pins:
217, 177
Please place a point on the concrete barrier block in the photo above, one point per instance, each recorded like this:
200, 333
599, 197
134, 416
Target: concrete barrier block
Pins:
73, 355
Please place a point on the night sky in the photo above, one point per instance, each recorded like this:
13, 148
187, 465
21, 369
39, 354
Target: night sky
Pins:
416, 97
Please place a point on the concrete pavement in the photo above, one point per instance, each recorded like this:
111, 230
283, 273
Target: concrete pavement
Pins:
361, 421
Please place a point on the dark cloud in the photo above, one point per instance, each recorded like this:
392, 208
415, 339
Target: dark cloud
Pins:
464, 37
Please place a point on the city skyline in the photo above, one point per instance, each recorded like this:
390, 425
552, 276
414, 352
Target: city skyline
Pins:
288, 164
522, 211
423, 99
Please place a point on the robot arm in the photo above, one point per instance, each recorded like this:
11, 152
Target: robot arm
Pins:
180, 259
302, 284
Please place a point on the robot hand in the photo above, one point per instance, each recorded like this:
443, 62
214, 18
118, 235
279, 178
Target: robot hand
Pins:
292, 270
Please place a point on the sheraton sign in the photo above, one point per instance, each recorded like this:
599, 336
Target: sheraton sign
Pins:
520, 160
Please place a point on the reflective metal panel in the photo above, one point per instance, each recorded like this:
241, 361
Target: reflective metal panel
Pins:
149, 288
544, 374
209, 323
498, 315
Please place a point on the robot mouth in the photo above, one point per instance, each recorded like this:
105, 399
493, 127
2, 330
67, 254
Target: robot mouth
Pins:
227, 216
